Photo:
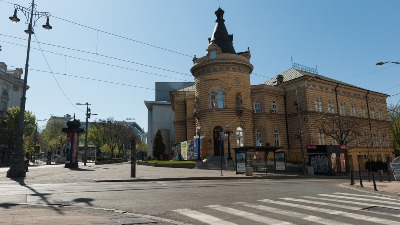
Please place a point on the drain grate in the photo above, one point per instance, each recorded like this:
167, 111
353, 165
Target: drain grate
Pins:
382, 210
137, 220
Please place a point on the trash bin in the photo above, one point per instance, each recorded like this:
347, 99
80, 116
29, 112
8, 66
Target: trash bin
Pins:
249, 171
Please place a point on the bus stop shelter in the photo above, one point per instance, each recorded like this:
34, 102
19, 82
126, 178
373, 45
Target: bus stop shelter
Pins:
253, 156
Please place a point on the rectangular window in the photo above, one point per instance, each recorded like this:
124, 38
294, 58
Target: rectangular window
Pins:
257, 107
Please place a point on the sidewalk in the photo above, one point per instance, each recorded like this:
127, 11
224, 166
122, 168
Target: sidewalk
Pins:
71, 215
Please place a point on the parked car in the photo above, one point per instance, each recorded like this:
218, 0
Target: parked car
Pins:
395, 168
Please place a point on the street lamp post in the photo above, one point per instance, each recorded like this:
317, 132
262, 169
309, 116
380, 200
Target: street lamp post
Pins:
88, 113
17, 163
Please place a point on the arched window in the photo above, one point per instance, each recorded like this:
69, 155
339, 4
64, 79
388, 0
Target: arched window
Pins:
239, 137
277, 138
220, 99
217, 100
258, 138
213, 101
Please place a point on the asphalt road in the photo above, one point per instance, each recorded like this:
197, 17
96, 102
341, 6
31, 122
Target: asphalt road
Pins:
216, 202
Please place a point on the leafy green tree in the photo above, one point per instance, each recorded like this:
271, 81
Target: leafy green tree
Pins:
110, 136
53, 138
394, 114
159, 146
9, 126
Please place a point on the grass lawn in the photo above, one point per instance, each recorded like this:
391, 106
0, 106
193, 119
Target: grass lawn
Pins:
170, 162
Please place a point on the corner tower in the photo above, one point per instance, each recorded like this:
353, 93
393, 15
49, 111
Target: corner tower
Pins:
222, 91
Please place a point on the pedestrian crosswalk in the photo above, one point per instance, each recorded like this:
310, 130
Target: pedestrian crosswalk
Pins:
328, 209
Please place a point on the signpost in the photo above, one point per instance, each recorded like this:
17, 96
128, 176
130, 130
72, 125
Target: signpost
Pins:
133, 157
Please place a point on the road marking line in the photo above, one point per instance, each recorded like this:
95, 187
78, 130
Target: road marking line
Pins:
368, 196
314, 219
374, 201
334, 212
248, 215
212, 220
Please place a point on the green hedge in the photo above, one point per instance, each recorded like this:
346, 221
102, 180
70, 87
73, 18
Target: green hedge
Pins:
376, 165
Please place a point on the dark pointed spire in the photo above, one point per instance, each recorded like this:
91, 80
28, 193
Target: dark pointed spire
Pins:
220, 36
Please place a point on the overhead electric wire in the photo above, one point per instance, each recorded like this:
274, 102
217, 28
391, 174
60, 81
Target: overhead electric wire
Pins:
101, 63
58, 84
101, 55
122, 37
94, 79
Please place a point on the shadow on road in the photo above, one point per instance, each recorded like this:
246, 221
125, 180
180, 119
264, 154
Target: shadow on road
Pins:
8, 205
87, 201
42, 196
80, 169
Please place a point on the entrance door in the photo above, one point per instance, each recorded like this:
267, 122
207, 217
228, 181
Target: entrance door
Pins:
218, 147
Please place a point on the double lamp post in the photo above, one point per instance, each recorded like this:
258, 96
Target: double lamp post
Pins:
17, 168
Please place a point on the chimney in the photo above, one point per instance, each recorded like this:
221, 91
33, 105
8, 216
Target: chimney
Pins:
279, 79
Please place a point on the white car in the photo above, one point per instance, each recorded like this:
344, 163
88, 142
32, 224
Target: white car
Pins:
395, 167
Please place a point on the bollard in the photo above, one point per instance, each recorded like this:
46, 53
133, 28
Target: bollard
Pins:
351, 177
373, 180
380, 175
359, 172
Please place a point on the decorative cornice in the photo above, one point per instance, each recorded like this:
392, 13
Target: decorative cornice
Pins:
221, 67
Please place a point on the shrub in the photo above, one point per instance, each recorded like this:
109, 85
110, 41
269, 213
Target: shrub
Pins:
376, 165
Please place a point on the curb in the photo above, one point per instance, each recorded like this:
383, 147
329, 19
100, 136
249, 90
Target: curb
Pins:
277, 177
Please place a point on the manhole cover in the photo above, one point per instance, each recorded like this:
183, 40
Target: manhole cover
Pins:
383, 209
138, 220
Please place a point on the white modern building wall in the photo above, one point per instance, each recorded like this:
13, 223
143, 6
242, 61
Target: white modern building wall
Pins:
160, 114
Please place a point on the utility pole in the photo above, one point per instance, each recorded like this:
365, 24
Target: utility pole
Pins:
88, 113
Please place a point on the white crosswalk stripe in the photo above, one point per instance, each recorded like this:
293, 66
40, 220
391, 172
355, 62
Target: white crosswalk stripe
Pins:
334, 212
297, 215
368, 196
203, 217
360, 199
346, 208
247, 215
352, 202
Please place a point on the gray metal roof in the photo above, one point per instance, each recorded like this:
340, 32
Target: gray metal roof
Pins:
292, 74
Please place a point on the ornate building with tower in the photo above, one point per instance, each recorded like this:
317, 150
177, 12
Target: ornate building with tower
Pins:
299, 111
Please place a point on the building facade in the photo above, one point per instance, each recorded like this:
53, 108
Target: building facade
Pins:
299, 110
11, 85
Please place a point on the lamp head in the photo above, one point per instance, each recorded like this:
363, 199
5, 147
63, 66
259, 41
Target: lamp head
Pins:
14, 18
47, 25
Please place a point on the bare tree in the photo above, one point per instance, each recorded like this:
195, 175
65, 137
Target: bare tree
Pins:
344, 130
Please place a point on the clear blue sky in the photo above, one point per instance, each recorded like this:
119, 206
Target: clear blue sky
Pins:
117, 65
